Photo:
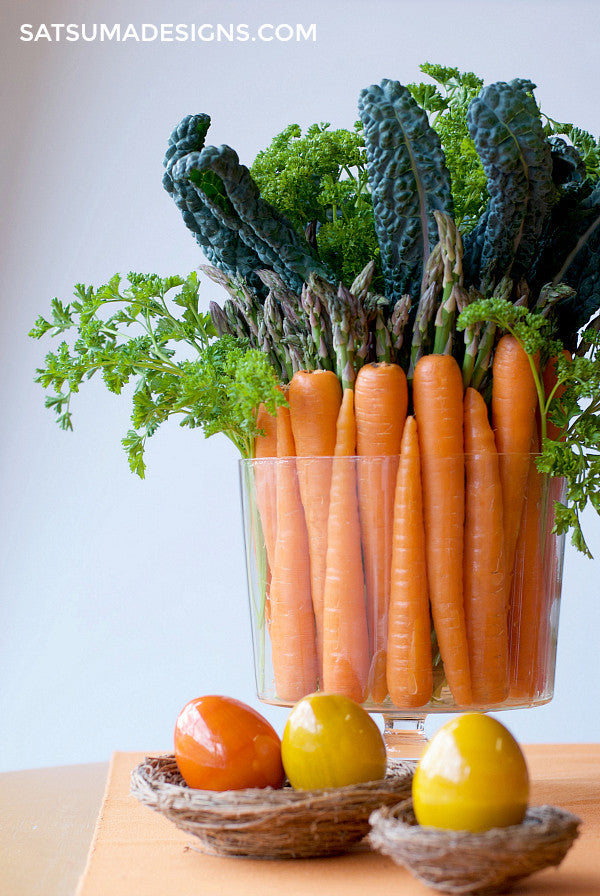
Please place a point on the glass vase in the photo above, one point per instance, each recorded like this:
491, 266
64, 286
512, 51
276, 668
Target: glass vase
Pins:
409, 610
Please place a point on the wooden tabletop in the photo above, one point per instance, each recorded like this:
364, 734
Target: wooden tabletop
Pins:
48, 817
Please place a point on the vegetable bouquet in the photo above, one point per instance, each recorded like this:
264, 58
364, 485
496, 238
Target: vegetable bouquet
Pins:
411, 329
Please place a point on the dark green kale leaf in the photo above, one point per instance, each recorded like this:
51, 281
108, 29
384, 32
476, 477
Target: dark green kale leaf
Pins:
222, 247
569, 245
473, 244
409, 181
567, 220
581, 270
506, 128
568, 167
446, 103
585, 144
239, 207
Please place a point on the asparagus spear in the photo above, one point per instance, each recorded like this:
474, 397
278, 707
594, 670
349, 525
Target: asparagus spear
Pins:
274, 328
383, 341
362, 281
397, 324
324, 294
451, 252
358, 336
219, 319
471, 340
318, 331
550, 295
240, 294
432, 281
342, 347
236, 319
488, 337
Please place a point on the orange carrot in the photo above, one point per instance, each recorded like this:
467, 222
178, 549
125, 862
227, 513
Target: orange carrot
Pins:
380, 404
552, 559
527, 595
553, 489
265, 446
315, 397
409, 662
514, 402
293, 642
485, 589
549, 379
345, 634
438, 404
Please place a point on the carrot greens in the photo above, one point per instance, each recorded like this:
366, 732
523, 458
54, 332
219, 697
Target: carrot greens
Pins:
128, 331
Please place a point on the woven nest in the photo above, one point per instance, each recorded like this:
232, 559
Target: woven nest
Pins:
458, 862
278, 824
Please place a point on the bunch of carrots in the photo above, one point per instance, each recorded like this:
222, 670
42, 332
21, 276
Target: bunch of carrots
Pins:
400, 521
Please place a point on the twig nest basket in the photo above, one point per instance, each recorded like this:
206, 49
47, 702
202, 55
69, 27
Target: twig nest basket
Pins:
458, 862
277, 824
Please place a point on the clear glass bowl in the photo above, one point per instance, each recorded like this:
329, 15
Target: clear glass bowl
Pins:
313, 611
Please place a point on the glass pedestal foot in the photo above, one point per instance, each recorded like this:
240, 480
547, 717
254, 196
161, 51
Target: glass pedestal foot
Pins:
405, 737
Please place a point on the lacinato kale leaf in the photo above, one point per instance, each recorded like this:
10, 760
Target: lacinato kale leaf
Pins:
581, 270
584, 144
245, 232
506, 128
409, 181
446, 103
568, 167
222, 246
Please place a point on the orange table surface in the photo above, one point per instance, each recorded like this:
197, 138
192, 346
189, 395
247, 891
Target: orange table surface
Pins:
137, 852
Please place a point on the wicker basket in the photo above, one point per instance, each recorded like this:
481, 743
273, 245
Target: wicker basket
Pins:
278, 824
458, 862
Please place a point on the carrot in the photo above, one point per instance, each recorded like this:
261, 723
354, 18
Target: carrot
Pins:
514, 402
438, 405
551, 570
293, 644
549, 380
380, 404
552, 559
345, 634
265, 446
527, 595
537, 574
485, 589
315, 397
409, 662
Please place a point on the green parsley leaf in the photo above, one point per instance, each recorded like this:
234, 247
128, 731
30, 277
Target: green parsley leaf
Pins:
149, 331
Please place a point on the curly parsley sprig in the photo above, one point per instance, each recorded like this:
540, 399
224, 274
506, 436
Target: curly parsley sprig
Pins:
575, 454
131, 331
319, 181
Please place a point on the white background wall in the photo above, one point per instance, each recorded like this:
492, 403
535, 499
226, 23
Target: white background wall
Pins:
122, 599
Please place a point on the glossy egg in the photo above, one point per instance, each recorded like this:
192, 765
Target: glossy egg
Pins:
472, 777
224, 744
331, 741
